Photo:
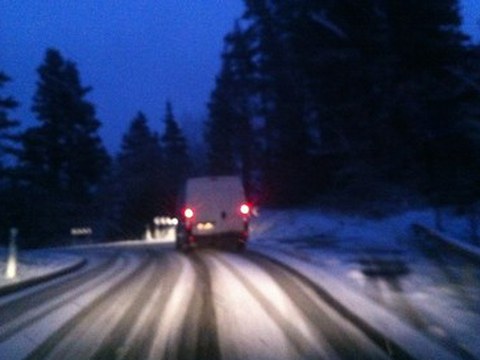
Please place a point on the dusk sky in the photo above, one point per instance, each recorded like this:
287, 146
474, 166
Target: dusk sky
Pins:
135, 54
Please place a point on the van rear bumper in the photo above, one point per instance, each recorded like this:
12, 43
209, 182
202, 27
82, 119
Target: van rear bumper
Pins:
186, 239
227, 240
223, 237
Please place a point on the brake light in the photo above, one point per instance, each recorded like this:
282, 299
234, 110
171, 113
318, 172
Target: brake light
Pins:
245, 209
188, 213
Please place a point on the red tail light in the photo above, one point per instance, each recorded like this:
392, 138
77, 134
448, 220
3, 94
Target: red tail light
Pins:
188, 213
245, 209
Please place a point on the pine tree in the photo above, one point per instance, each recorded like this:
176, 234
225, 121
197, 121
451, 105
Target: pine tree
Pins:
8, 201
464, 148
353, 96
280, 90
177, 162
63, 160
429, 56
229, 130
219, 132
138, 180
7, 138
64, 153
426, 34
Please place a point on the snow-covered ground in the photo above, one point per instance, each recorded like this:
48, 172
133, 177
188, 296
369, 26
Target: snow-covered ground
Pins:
274, 226
339, 249
439, 301
35, 263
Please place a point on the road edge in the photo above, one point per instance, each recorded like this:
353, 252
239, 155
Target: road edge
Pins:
400, 334
470, 251
11, 288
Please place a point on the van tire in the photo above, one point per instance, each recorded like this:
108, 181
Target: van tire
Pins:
240, 246
183, 246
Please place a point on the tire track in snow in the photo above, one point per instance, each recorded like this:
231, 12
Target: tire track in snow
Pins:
134, 335
343, 336
91, 323
249, 328
447, 268
171, 319
388, 346
124, 322
141, 339
20, 313
328, 339
166, 306
199, 337
19, 303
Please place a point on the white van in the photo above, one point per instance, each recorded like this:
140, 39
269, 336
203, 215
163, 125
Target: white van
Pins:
213, 209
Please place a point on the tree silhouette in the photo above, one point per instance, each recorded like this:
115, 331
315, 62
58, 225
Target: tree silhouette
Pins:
64, 153
8, 141
368, 93
229, 133
139, 181
177, 162
62, 160
7, 138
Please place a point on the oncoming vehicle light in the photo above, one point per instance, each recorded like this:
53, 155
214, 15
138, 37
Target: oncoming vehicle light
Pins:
245, 209
188, 212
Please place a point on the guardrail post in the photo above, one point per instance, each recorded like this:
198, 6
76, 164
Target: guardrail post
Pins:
11, 268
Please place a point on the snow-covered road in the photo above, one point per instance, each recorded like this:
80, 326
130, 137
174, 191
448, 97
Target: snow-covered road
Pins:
148, 301
309, 286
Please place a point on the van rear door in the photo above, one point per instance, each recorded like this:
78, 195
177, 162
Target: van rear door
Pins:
216, 205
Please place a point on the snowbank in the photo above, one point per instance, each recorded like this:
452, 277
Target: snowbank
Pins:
354, 231
341, 250
36, 264
282, 226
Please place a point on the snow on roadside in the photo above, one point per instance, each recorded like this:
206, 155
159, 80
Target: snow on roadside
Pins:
272, 225
384, 322
342, 247
354, 231
35, 263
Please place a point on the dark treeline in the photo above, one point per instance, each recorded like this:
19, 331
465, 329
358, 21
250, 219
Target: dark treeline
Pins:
147, 177
349, 101
343, 103
57, 176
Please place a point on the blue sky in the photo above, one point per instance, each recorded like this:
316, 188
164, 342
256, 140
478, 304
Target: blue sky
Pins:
470, 10
135, 54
